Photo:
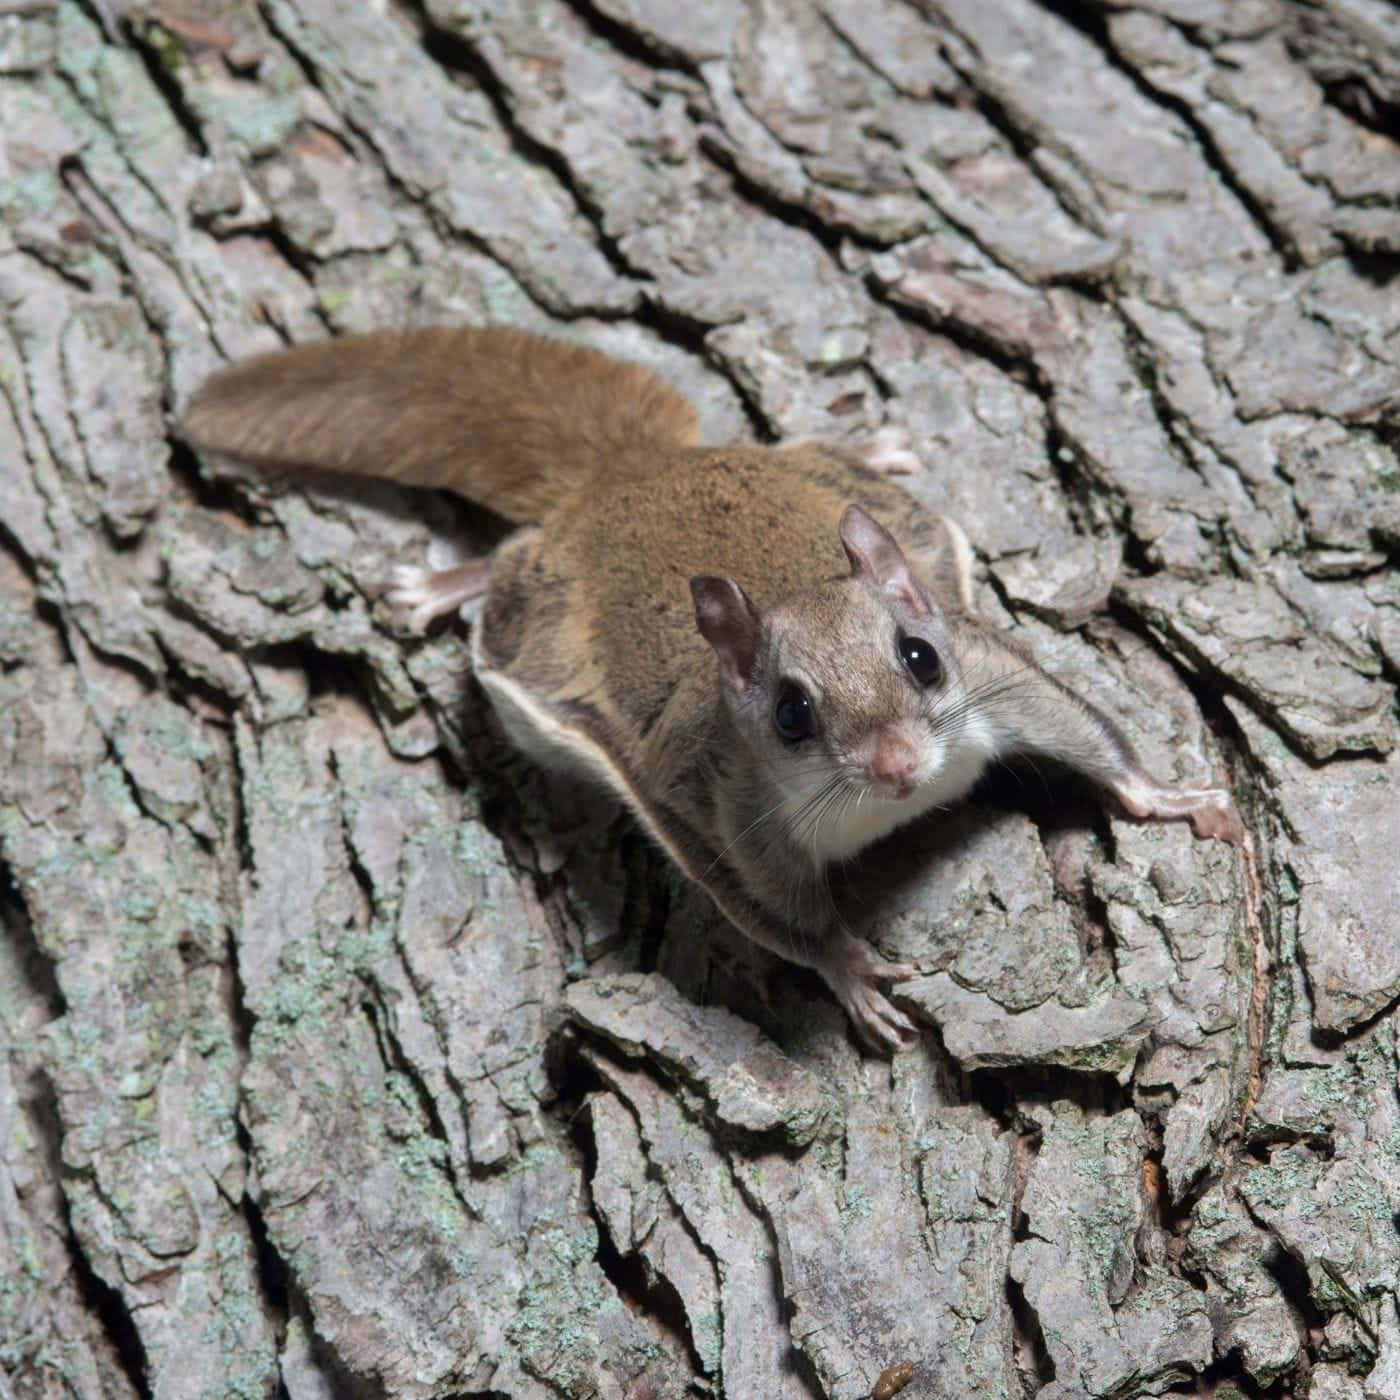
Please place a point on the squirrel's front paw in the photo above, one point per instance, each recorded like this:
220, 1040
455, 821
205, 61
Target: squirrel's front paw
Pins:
853, 972
890, 450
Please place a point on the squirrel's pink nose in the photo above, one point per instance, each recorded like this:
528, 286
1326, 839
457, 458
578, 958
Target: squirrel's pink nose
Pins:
894, 761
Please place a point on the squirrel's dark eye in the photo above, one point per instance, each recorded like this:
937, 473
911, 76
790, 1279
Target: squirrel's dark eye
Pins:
793, 715
922, 661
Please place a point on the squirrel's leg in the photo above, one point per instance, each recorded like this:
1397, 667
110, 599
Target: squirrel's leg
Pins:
417, 596
1029, 712
850, 966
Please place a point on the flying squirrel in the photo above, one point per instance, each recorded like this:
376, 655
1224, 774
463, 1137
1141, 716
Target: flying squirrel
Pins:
768, 653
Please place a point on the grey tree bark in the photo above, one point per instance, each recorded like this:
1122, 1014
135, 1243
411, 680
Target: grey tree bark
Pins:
345, 1054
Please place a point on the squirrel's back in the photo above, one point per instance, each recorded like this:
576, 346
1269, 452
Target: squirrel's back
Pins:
505, 418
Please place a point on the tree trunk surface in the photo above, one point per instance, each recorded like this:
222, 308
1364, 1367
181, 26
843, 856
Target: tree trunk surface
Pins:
345, 1054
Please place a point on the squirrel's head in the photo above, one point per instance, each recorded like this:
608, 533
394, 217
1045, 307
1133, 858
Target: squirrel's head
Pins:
849, 694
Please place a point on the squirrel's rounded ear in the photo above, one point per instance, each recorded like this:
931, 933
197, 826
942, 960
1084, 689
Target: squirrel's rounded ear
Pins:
875, 555
729, 622
950, 559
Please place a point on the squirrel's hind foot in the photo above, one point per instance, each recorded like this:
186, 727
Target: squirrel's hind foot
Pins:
890, 451
417, 597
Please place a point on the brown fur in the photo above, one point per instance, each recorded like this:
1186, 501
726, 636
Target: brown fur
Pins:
397, 405
589, 629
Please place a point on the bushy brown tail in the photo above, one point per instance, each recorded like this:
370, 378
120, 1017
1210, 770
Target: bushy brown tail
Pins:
505, 418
